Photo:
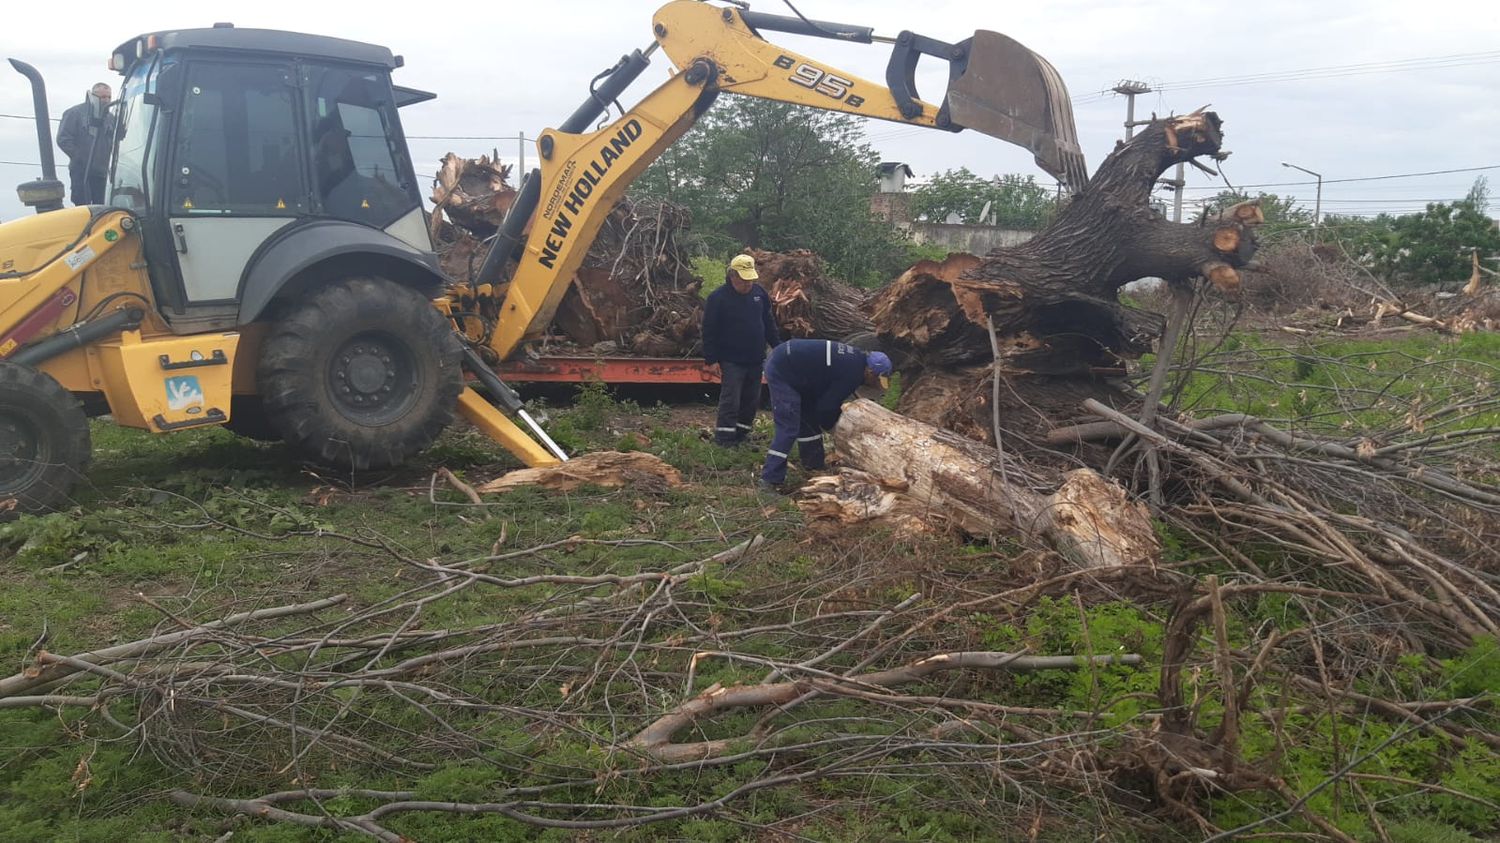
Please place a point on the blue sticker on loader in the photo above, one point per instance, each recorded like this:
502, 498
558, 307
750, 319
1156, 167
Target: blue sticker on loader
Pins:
184, 394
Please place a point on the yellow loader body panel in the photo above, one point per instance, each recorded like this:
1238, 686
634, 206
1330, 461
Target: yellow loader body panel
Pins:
168, 383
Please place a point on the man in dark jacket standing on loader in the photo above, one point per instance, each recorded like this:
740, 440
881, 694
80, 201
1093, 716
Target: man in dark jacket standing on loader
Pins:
809, 381
86, 136
737, 329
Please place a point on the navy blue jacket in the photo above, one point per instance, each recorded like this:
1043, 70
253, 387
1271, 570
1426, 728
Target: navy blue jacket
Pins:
822, 371
738, 328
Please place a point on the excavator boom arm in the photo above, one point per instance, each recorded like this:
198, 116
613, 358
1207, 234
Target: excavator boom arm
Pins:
999, 86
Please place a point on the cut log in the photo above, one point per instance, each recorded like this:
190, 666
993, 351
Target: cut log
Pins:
606, 469
915, 477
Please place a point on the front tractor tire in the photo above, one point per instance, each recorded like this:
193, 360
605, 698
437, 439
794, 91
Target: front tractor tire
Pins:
44, 441
360, 374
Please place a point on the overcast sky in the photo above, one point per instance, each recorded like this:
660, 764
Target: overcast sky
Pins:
504, 68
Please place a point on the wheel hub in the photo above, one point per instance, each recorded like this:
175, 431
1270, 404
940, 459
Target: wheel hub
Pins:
372, 377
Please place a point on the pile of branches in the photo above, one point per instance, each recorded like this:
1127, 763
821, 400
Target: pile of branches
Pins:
593, 693
601, 682
1308, 288
635, 293
807, 303
1387, 527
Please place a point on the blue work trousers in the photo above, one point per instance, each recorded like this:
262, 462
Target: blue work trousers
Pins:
796, 423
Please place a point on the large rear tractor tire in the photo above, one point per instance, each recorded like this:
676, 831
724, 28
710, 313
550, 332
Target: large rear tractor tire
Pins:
361, 374
44, 441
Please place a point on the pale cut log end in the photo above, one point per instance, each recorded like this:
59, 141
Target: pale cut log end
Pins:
1248, 213
606, 469
1095, 524
1224, 277
1227, 239
854, 497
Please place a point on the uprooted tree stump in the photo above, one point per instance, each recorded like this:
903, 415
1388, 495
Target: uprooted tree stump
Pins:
806, 301
1053, 298
1052, 302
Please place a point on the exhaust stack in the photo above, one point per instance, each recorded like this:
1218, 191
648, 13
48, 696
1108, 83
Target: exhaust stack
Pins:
44, 194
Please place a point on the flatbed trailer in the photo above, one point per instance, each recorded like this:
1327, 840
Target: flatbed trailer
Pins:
610, 370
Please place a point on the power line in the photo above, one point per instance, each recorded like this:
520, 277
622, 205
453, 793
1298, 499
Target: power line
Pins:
1347, 181
28, 117
1339, 71
1325, 72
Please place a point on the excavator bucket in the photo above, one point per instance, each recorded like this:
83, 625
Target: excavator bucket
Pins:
1008, 92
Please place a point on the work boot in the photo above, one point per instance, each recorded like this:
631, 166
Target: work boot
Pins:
766, 487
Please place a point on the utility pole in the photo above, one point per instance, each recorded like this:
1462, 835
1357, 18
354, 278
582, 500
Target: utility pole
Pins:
1130, 89
1318, 204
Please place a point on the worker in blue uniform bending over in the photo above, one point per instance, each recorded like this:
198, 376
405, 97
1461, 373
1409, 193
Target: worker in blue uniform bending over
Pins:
737, 329
809, 381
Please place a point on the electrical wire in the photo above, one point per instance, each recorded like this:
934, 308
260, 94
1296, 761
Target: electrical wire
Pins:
1308, 73
1358, 179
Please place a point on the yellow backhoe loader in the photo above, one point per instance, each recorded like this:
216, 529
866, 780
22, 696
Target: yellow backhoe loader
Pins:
262, 258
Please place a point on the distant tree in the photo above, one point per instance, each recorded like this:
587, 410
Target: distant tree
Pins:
779, 176
1433, 246
1015, 201
1428, 247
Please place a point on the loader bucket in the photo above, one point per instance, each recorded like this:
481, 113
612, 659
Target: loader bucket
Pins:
1008, 92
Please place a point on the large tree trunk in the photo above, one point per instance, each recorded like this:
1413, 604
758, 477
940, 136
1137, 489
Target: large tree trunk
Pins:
1053, 299
917, 478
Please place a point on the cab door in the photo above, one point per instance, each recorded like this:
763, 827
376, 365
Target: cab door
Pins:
236, 173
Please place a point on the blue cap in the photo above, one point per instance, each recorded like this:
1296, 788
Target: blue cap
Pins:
878, 363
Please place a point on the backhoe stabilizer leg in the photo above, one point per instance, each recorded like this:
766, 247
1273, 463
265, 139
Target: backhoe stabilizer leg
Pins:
490, 418
498, 426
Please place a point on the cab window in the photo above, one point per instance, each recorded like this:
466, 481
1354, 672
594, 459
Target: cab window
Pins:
236, 145
359, 166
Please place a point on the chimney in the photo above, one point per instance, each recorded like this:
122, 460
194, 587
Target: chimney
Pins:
893, 176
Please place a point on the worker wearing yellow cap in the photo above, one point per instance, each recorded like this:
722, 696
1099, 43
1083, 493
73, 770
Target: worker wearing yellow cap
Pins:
737, 329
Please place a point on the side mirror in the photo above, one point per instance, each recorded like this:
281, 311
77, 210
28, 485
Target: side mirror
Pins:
166, 88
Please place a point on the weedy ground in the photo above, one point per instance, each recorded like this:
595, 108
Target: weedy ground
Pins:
191, 525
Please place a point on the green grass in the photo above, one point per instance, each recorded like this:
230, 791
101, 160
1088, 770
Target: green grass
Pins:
202, 521
1348, 386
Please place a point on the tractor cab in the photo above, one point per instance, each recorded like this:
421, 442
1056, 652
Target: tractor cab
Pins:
230, 143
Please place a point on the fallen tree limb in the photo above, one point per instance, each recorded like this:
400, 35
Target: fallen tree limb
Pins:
656, 739
48, 673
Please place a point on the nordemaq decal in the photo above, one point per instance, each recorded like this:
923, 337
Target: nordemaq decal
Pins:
574, 197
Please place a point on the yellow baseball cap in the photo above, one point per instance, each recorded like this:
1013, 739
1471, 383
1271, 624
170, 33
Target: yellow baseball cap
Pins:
745, 266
